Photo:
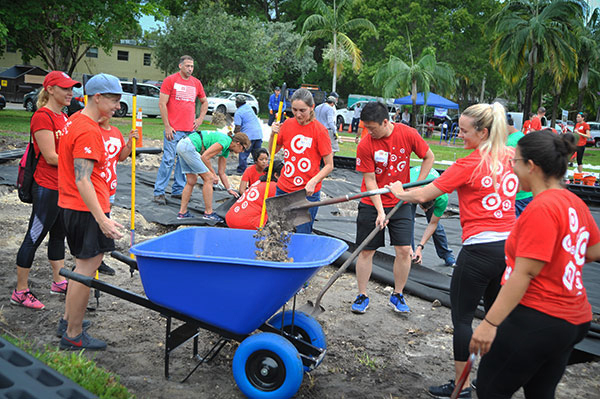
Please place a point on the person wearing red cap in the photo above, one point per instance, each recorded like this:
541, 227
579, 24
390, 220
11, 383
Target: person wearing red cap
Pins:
46, 128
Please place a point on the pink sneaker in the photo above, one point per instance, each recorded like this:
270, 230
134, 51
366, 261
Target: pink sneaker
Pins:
59, 288
27, 299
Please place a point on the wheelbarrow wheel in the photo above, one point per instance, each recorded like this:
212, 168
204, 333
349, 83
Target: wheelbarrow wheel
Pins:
305, 328
266, 365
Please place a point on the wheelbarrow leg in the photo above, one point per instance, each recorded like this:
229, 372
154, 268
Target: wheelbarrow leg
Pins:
210, 355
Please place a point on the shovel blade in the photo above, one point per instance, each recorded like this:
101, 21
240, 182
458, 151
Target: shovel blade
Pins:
280, 208
312, 310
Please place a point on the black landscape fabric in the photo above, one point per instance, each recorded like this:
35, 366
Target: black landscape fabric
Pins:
429, 281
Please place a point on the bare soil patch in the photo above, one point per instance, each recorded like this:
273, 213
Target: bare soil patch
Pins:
376, 355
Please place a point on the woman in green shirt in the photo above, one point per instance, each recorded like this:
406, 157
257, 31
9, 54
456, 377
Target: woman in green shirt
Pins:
195, 152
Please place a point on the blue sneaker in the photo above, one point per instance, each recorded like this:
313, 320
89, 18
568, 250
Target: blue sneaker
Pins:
450, 262
398, 303
213, 216
361, 304
186, 215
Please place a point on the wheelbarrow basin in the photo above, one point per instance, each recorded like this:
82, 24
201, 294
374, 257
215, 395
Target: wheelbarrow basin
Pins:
211, 274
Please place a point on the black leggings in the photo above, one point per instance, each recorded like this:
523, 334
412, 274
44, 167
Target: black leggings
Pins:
531, 350
479, 268
46, 216
580, 150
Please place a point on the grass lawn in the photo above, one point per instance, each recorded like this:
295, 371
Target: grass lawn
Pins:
15, 123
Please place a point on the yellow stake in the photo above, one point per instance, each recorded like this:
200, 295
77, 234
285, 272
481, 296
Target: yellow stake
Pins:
263, 211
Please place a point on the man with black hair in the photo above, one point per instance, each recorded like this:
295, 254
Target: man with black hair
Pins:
383, 157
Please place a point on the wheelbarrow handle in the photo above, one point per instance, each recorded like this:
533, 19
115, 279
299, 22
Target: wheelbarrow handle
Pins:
125, 259
350, 197
80, 278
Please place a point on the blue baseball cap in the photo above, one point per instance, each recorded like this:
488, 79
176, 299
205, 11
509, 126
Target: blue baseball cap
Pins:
103, 83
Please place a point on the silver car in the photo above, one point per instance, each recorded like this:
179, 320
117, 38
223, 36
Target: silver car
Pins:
224, 102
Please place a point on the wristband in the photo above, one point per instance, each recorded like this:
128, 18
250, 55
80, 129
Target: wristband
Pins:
421, 245
490, 323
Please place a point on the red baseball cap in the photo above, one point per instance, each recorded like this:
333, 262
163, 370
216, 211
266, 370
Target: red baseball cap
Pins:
60, 79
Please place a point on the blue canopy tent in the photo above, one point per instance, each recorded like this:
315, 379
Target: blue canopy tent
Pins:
433, 100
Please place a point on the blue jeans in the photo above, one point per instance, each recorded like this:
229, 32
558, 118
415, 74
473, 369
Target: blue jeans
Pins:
166, 167
306, 228
255, 145
521, 204
440, 241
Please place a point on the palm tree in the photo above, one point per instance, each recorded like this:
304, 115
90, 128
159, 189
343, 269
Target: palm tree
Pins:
534, 34
396, 78
332, 24
589, 52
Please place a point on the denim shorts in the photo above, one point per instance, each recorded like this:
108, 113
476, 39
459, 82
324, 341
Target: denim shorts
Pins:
189, 157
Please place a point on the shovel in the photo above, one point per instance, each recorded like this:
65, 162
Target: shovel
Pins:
293, 207
316, 308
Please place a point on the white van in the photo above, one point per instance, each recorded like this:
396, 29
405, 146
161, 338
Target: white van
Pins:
517, 118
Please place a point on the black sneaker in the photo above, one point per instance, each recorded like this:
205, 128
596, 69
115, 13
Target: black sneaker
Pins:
474, 384
105, 269
176, 196
82, 341
445, 391
62, 327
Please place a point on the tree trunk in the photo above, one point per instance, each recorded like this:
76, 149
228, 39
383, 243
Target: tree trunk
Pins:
555, 106
413, 97
528, 94
580, 97
583, 84
482, 90
334, 79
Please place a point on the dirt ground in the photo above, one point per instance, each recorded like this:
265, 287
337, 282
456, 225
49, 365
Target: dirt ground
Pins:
376, 355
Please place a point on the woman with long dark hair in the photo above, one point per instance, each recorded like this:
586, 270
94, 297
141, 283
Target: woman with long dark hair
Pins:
542, 310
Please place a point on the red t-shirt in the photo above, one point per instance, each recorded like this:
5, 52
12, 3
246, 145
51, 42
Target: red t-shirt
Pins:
245, 213
482, 208
46, 175
181, 106
536, 124
303, 149
526, 126
252, 175
556, 228
389, 158
81, 138
581, 128
114, 144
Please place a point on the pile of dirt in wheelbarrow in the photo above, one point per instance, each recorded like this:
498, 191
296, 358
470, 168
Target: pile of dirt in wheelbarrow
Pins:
376, 355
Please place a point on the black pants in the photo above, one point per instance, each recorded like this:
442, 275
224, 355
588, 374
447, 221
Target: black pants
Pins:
531, 350
46, 217
478, 272
580, 151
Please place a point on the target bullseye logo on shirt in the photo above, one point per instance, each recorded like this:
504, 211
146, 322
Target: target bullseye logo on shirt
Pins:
509, 184
300, 143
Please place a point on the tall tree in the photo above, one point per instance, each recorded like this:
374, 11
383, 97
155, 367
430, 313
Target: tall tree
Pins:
332, 23
396, 78
62, 32
533, 35
588, 37
234, 52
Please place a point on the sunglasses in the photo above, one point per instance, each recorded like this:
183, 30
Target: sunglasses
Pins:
512, 161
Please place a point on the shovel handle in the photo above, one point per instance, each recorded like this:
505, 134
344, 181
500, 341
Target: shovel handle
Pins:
350, 197
353, 256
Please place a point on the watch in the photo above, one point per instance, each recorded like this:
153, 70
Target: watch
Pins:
421, 245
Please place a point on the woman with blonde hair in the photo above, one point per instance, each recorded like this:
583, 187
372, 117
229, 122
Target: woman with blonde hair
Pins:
195, 152
305, 142
47, 125
486, 188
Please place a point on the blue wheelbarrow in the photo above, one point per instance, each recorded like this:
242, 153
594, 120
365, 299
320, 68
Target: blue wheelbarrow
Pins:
209, 278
